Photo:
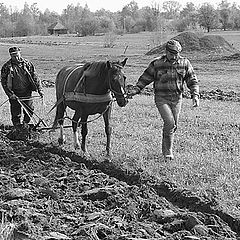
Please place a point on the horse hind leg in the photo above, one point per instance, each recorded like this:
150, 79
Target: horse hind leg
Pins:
60, 120
61, 139
76, 143
108, 130
84, 132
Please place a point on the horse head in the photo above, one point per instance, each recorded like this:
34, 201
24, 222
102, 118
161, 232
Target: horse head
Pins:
117, 81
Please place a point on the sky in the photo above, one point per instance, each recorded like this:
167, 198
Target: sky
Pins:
111, 5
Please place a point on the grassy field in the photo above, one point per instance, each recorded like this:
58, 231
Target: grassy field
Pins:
208, 139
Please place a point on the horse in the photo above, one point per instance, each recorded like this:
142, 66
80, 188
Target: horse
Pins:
88, 90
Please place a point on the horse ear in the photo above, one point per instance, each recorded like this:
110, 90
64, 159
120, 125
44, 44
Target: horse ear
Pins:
124, 62
109, 65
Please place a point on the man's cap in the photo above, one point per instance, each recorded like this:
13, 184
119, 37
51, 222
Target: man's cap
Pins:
14, 50
173, 46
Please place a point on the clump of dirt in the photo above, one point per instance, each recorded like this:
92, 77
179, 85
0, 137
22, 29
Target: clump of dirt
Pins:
192, 42
221, 95
19, 132
49, 193
214, 94
235, 56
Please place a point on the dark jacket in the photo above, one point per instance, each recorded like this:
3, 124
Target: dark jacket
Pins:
19, 78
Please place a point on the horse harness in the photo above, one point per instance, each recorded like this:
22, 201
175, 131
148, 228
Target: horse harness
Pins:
85, 97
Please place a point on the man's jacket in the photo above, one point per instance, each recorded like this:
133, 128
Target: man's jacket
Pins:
19, 78
168, 78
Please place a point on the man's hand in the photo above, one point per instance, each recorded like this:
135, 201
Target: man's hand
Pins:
195, 101
131, 92
41, 94
13, 97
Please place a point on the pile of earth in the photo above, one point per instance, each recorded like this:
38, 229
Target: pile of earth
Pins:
192, 42
232, 57
219, 94
47, 193
214, 94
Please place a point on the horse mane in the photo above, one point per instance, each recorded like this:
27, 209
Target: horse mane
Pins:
117, 63
94, 69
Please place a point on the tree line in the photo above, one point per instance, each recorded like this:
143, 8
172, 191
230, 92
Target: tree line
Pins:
170, 15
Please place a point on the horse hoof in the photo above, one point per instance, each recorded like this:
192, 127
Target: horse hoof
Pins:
83, 154
108, 154
61, 141
86, 154
77, 147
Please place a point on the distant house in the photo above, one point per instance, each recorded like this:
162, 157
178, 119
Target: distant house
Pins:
57, 28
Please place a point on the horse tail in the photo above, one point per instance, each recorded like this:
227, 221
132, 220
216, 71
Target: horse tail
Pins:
59, 104
60, 108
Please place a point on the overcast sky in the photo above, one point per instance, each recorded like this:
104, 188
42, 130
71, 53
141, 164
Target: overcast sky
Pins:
112, 5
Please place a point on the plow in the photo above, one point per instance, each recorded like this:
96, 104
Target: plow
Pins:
37, 123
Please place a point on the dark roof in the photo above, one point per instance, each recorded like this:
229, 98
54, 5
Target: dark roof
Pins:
56, 26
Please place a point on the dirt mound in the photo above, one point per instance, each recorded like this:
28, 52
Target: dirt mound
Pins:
235, 56
49, 193
214, 94
192, 42
219, 94
20, 132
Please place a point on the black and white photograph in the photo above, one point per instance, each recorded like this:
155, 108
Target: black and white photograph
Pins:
120, 120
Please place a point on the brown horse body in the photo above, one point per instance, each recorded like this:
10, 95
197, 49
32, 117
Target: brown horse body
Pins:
88, 90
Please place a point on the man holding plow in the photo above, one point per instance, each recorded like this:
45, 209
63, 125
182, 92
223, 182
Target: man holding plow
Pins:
19, 80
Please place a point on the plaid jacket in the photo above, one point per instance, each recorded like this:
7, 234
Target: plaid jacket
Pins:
19, 77
168, 79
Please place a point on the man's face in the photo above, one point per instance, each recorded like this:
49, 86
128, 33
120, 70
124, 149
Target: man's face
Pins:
16, 56
172, 57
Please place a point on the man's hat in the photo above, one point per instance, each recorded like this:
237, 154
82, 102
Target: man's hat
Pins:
14, 50
173, 46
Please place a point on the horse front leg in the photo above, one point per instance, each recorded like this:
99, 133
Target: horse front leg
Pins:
61, 138
76, 143
108, 129
84, 132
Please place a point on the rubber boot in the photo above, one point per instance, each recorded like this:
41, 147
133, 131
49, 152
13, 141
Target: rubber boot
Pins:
167, 146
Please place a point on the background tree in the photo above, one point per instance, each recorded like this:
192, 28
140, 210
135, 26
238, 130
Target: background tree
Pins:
87, 24
235, 17
146, 19
171, 9
46, 19
35, 12
25, 24
129, 15
131, 10
105, 21
6, 27
131, 19
208, 17
157, 15
188, 18
224, 14
71, 15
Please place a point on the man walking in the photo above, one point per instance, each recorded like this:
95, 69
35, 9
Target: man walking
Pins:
168, 74
19, 79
